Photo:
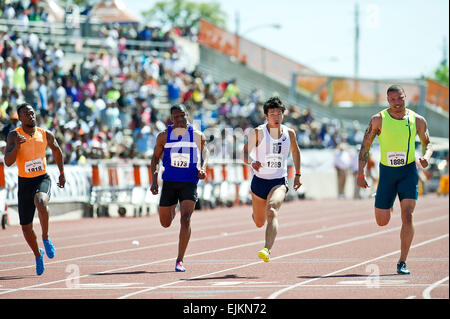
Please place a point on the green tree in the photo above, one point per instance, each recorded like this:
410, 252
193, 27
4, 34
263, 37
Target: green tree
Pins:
184, 13
441, 74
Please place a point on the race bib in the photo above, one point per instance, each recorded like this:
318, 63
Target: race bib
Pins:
274, 160
179, 160
34, 166
396, 158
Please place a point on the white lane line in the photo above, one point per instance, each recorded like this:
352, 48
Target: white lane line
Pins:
427, 291
287, 255
190, 255
232, 223
214, 218
176, 242
228, 248
279, 292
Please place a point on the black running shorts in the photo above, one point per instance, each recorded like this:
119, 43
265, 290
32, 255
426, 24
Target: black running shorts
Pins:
172, 192
28, 187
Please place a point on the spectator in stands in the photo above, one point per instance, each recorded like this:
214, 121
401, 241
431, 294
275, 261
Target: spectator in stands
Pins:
231, 91
342, 161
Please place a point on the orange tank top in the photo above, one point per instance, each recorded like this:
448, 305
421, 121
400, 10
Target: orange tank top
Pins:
31, 160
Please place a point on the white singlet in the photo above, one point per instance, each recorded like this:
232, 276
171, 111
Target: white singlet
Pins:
272, 154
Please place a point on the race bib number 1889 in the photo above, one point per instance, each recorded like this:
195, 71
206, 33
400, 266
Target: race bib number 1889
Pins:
396, 158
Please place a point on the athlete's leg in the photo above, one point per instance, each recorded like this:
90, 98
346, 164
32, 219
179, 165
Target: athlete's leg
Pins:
382, 216
274, 200
41, 202
407, 231
30, 238
186, 210
166, 215
259, 210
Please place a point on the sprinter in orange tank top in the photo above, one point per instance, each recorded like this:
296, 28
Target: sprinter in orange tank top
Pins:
26, 146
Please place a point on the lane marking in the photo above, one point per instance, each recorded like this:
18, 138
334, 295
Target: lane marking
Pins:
201, 239
279, 292
426, 292
295, 253
176, 231
233, 247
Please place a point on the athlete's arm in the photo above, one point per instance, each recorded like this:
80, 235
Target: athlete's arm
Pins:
295, 149
373, 129
252, 141
424, 136
200, 140
13, 142
154, 164
57, 156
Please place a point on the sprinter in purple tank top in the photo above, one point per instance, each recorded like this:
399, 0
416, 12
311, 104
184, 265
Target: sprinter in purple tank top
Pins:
184, 161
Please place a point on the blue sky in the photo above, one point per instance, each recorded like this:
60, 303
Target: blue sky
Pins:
398, 39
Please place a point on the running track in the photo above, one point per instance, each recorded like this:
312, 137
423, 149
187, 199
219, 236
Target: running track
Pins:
328, 249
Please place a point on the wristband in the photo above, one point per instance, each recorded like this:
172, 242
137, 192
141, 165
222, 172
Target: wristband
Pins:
61, 173
298, 174
361, 175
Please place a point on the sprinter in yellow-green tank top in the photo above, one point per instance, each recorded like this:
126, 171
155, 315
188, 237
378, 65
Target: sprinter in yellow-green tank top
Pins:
396, 128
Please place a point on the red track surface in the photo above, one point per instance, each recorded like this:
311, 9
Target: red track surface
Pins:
324, 249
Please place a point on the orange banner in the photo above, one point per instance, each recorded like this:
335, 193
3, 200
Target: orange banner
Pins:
437, 94
248, 52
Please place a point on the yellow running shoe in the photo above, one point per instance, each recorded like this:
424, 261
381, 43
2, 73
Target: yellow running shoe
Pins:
264, 255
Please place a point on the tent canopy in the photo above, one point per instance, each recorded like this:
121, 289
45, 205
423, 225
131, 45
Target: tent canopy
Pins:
54, 10
111, 11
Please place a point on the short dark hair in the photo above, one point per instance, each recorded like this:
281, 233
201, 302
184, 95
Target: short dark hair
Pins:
395, 88
21, 106
274, 103
178, 107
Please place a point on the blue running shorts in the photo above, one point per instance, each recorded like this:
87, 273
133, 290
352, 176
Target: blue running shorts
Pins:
261, 187
402, 181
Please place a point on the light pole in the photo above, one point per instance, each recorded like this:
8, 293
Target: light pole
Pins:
238, 35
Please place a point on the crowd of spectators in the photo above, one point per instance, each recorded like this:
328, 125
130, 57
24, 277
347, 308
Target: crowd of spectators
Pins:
114, 105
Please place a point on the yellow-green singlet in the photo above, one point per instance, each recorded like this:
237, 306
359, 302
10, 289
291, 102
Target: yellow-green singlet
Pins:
397, 139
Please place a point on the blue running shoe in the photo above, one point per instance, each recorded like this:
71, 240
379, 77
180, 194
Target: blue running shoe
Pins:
40, 263
179, 266
49, 249
401, 268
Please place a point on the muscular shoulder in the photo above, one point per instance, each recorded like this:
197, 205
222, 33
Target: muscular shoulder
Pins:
291, 132
421, 123
162, 137
376, 121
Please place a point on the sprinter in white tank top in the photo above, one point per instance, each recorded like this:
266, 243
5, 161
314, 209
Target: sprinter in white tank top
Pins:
266, 151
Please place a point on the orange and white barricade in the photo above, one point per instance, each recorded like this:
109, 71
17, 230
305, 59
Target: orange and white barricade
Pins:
122, 186
226, 184
3, 193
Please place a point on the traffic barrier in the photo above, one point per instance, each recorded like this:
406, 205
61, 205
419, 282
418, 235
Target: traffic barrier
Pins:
119, 187
122, 188
443, 185
3, 205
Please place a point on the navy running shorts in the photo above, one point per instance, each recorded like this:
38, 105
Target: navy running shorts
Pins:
27, 188
172, 192
261, 187
402, 181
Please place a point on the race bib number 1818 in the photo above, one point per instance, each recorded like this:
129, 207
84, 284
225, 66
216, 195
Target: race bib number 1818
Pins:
34, 166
